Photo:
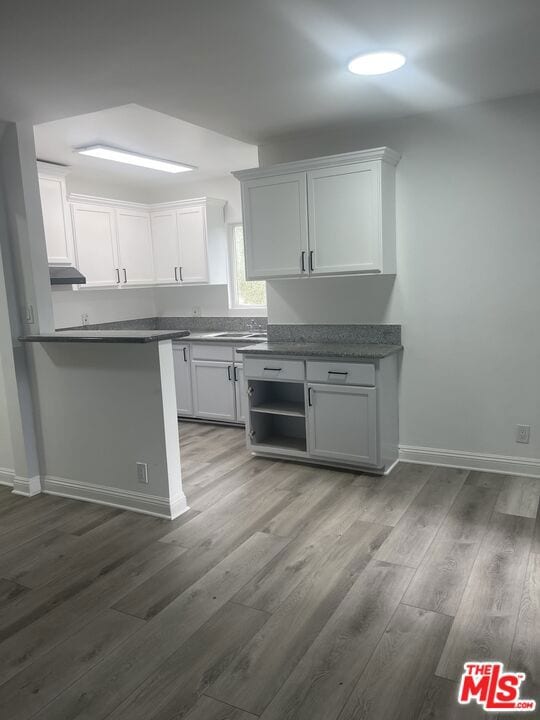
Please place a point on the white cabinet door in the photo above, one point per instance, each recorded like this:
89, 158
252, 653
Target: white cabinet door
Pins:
95, 244
344, 221
342, 423
135, 254
56, 221
213, 390
275, 226
166, 248
182, 376
191, 224
241, 394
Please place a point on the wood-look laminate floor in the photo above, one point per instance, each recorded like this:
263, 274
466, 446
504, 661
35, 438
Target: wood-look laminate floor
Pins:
287, 592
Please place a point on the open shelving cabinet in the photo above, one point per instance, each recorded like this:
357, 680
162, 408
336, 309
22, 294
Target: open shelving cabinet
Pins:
277, 416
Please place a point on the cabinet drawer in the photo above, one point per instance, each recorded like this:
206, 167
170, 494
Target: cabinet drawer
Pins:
208, 351
340, 373
274, 368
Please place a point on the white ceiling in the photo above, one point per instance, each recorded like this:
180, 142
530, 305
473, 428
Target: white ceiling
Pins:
253, 68
139, 129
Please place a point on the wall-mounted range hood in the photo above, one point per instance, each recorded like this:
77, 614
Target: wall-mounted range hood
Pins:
65, 275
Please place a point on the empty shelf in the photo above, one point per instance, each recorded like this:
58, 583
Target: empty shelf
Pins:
281, 407
283, 441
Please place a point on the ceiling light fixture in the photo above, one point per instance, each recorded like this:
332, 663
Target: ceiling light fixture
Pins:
129, 158
376, 63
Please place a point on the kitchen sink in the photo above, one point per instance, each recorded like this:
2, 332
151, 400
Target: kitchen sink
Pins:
232, 335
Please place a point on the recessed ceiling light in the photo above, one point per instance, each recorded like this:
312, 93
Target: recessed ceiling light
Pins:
130, 158
376, 63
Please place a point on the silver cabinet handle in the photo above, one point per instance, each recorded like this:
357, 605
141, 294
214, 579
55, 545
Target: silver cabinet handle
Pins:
229, 373
185, 354
309, 400
303, 260
337, 372
117, 276
125, 275
176, 274
311, 259
180, 271
235, 374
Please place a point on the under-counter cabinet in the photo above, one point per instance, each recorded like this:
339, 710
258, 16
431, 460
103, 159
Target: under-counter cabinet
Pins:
329, 411
342, 423
182, 376
327, 216
217, 382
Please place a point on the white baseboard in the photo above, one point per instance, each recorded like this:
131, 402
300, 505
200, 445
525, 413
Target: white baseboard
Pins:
7, 476
26, 486
168, 508
507, 464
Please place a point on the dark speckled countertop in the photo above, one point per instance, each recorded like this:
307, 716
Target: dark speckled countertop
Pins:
356, 351
106, 336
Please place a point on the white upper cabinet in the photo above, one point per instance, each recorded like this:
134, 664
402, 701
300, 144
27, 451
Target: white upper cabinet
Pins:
166, 247
275, 226
56, 215
127, 244
190, 242
328, 216
135, 255
343, 219
192, 237
96, 247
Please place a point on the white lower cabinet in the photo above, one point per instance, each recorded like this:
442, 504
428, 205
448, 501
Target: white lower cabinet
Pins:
241, 393
213, 390
209, 382
182, 375
343, 414
342, 423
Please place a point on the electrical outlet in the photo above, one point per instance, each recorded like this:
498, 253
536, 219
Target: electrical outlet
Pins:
29, 314
523, 433
142, 473
84, 319
196, 312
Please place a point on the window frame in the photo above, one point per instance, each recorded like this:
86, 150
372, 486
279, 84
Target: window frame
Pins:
232, 284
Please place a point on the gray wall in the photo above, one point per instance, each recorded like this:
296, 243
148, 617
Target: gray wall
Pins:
7, 463
467, 290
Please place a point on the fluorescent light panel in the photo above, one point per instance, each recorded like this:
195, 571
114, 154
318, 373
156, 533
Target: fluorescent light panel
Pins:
129, 158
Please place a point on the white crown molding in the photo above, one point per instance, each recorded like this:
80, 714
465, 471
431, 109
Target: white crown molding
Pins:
7, 476
197, 202
168, 508
146, 207
506, 464
384, 154
51, 169
110, 202
26, 486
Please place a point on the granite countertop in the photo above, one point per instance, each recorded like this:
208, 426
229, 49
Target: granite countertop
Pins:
356, 351
106, 336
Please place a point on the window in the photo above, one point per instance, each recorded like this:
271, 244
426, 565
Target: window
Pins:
243, 294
